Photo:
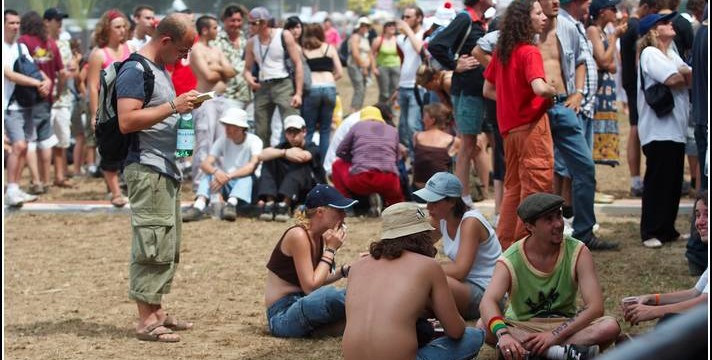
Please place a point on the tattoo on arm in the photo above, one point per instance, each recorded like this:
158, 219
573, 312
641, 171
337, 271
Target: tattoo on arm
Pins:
566, 324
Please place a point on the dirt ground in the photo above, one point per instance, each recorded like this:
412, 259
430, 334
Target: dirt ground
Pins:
66, 279
65, 287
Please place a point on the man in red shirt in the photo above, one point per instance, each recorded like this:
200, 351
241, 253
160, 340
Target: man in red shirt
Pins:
516, 75
46, 55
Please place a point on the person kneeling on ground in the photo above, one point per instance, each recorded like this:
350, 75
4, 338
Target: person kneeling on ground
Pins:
469, 242
664, 306
237, 152
382, 324
542, 274
289, 170
302, 262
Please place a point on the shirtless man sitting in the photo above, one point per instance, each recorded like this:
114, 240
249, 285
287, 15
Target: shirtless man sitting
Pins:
212, 71
542, 274
381, 324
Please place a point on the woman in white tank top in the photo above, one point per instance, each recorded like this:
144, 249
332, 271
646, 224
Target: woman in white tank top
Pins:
469, 241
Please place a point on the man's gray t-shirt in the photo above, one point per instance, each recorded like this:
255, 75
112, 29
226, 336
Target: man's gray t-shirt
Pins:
154, 147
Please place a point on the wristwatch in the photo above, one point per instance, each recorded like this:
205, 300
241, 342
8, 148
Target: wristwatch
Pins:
580, 91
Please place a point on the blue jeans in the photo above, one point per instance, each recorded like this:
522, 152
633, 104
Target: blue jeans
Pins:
240, 188
298, 315
587, 127
444, 347
318, 110
410, 120
570, 141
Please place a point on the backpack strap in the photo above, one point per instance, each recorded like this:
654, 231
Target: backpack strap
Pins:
149, 78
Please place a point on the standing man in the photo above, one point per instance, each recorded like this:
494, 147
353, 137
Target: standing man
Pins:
273, 87
143, 17
565, 69
466, 92
17, 120
44, 51
152, 175
542, 274
410, 42
629, 76
575, 12
233, 42
61, 113
212, 70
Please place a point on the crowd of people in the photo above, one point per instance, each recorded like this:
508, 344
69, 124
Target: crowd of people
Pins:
534, 86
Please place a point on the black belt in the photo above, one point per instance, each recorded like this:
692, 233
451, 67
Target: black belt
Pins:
274, 80
560, 98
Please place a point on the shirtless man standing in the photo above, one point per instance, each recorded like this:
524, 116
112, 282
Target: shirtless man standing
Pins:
382, 324
212, 70
565, 68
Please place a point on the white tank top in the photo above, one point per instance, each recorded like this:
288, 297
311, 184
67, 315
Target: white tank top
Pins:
270, 57
487, 253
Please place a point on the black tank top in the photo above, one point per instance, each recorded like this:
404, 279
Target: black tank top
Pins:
283, 265
321, 63
428, 160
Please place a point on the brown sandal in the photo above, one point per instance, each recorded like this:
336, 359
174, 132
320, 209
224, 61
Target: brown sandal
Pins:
176, 325
118, 201
155, 333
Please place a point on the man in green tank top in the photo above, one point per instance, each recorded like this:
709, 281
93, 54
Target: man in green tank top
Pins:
542, 273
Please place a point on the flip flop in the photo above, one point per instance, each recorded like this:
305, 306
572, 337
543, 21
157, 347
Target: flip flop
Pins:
176, 325
155, 332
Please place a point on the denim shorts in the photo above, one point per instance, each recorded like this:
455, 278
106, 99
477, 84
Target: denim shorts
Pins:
18, 125
469, 112
473, 306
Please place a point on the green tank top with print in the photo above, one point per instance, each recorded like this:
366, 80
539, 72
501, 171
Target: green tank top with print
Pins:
538, 294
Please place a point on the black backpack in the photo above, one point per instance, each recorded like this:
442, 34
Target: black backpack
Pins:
113, 145
26, 96
344, 52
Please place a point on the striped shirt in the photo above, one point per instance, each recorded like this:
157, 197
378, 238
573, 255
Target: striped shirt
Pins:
589, 100
370, 145
571, 54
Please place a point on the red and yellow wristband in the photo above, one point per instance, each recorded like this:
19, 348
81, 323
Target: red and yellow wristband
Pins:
495, 324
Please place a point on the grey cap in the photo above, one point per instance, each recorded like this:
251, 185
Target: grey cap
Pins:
538, 204
260, 13
440, 186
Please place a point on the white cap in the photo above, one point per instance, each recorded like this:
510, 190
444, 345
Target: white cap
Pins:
364, 21
294, 121
489, 13
444, 14
235, 116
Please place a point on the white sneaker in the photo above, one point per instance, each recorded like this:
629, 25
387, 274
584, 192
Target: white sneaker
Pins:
27, 197
596, 228
13, 199
569, 226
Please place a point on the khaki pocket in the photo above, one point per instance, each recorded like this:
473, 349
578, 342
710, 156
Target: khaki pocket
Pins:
154, 243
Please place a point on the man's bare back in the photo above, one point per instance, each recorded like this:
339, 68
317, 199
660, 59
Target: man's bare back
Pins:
384, 300
551, 54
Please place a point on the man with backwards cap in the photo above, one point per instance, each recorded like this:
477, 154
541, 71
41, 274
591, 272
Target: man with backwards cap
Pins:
391, 288
542, 274
273, 87
289, 170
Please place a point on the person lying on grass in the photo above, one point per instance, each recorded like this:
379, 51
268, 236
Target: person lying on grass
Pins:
637, 309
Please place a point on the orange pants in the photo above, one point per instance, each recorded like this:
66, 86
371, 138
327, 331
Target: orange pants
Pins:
529, 157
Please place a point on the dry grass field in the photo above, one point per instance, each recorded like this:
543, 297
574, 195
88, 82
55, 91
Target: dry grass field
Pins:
65, 280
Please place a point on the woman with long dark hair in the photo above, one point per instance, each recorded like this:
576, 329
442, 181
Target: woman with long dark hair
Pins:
516, 73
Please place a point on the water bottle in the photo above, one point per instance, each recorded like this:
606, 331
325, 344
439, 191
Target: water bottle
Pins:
216, 206
186, 136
